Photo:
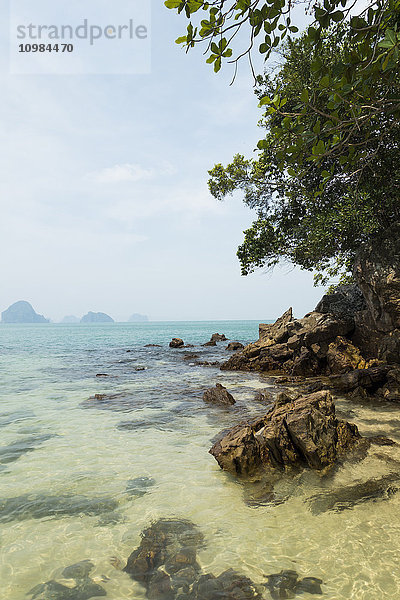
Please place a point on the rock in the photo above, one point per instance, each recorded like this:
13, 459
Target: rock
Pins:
219, 395
234, 346
277, 332
351, 495
345, 301
70, 319
283, 584
287, 584
176, 343
21, 312
165, 561
264, 396
343, 357
309, 585
377, 272
99, 317
294, 346
229, 585
102, 375
306, 364
294, 434
40, 506
210, 343
78, 570
52, 590
137, 318
218, 337
190, 356
13, 451
139, 486
150, 346
370, 379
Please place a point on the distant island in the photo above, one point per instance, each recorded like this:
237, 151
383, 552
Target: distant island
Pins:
22, 312
70, 319
136, 318
98, 317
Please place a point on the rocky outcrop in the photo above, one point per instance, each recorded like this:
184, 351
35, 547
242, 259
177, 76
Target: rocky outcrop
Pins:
293, 346
219, 395
377, 272
234, 346
21, 312
381, 382
99, 317
345, 301
218, 337
176, 343
295, 433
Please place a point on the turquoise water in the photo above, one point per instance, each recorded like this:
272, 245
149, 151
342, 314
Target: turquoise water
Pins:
68, 459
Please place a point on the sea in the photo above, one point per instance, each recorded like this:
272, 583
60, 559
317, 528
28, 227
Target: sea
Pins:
102, 434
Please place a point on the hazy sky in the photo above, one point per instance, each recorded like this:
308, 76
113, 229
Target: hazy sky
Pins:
104, 199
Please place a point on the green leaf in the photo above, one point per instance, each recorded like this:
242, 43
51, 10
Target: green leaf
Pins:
181, 40
172, 3
324, 82
304, 96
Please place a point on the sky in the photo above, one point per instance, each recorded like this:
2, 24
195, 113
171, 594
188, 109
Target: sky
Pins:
104, 198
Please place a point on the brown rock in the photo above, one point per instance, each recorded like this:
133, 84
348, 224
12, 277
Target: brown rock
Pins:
276, 332
176, 343
343, 357
218, 337
234, 346
219, 395
303, 432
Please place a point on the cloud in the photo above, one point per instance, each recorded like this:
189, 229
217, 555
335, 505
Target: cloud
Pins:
129, 173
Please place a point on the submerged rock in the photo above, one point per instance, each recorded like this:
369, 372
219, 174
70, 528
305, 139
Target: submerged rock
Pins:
166, 564
287, 584
40, 506
295, 433
139, 486
52, 590
165, 561
78, 570
14, 451
176, 343
229, 585
348, 496
219, 395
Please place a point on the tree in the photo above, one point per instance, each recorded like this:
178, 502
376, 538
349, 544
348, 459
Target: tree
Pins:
313, 210
327, 177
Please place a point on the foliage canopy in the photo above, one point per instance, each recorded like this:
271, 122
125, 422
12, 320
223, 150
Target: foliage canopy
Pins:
327, 175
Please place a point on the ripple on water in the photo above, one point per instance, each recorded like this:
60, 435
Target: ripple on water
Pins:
89, 492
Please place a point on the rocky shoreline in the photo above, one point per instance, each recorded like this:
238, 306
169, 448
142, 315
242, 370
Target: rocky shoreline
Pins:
349, 346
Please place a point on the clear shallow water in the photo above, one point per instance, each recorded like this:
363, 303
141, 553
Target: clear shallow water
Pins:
65, 462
